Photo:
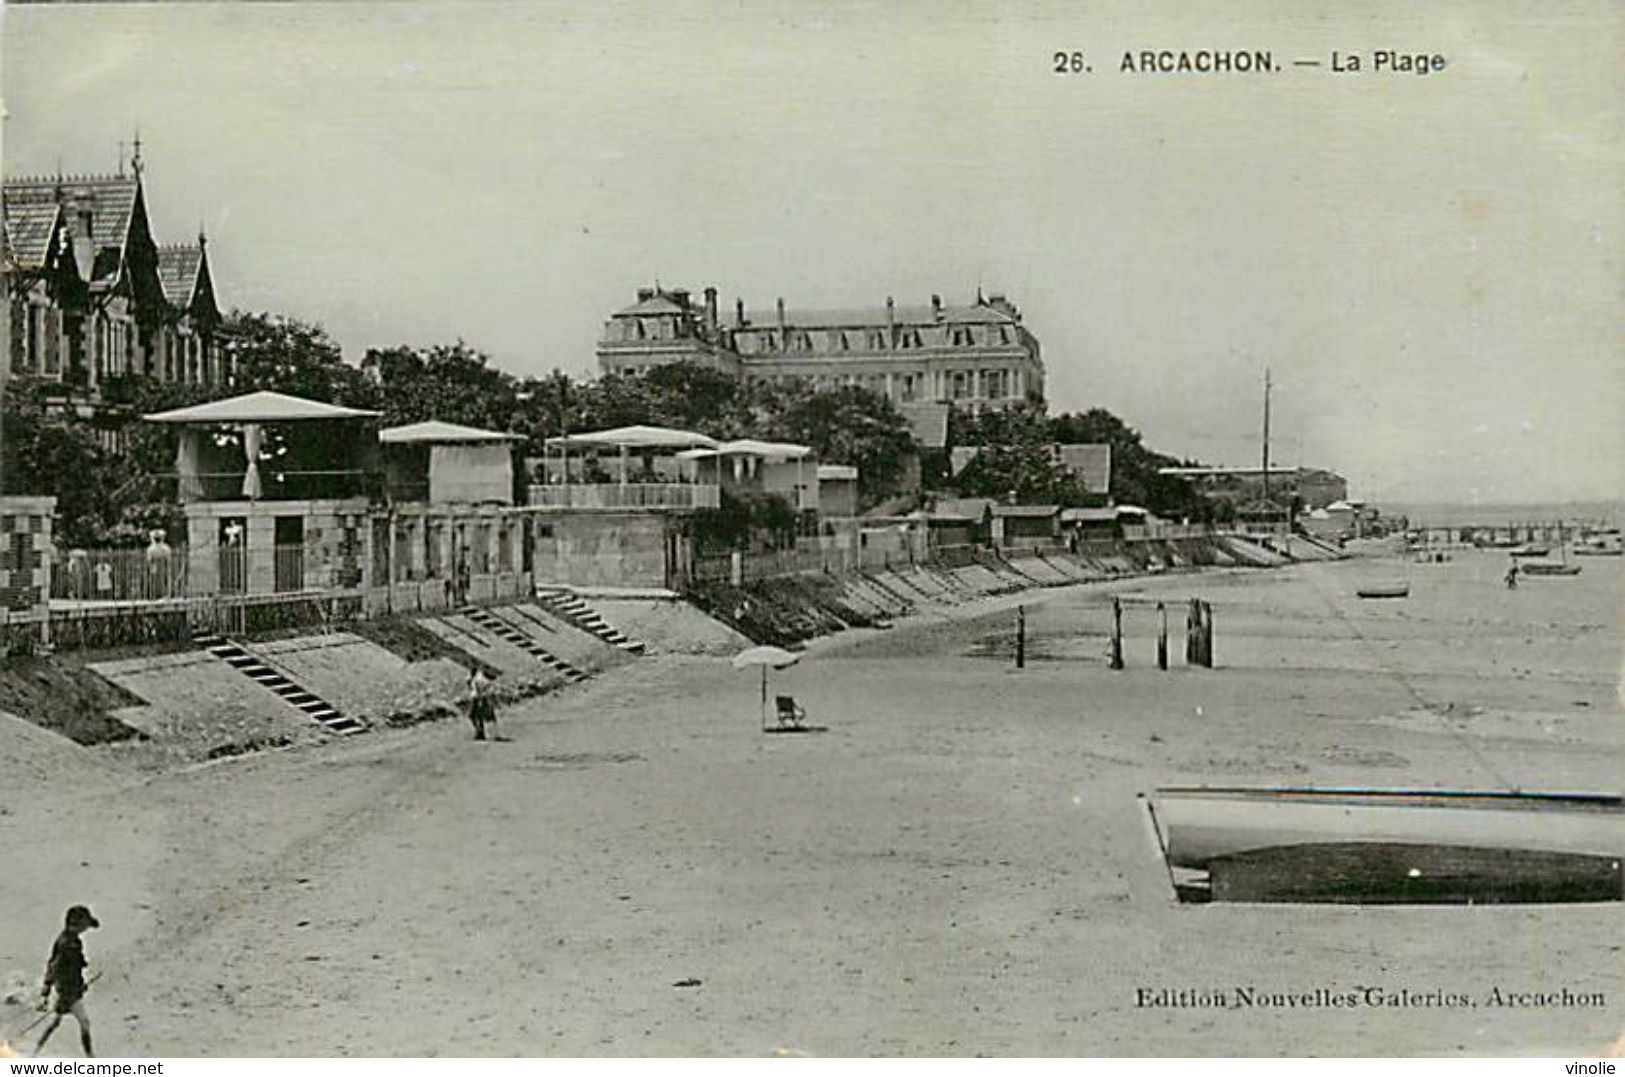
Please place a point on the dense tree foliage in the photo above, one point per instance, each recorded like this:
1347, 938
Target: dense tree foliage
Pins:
286, 355
848, 425
453, 383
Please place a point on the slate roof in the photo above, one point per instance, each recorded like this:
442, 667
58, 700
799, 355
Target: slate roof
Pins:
858, 318
928, 422
1091, 463
658, 304
29, 227
178, 273
962, 507
110, 199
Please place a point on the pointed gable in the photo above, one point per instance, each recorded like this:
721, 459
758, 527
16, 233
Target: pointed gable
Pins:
178, 271
112, 204
30, 227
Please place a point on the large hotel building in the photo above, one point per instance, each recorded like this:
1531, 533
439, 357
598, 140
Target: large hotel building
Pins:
972, 357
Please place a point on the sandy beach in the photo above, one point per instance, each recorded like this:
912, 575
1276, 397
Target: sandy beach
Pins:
958, 865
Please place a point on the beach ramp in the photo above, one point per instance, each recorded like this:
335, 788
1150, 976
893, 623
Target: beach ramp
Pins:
502, 647
195, 704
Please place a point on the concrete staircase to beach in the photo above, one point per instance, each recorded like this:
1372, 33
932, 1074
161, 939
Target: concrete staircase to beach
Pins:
255, 669
506, 632
575, 609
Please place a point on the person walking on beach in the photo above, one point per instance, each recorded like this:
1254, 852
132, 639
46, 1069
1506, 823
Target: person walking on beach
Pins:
65, 971
1512, 577
481, 711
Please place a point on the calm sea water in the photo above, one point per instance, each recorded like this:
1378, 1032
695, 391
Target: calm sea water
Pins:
1441, 514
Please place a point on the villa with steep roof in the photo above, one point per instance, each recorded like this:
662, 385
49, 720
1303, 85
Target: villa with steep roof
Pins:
94, 302
970, 357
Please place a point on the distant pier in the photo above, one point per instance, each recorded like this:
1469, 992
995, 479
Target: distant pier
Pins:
1502, 534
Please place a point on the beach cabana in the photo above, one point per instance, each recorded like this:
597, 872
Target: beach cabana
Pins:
637, 437
444, 462
746, 458
248, 414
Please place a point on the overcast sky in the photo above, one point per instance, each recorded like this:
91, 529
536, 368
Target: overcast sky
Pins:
1430, 265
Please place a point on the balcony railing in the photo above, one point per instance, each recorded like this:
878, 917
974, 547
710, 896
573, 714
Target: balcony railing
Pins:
278, 485
632, 495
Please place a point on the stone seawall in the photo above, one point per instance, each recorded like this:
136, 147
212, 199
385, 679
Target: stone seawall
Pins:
793, 608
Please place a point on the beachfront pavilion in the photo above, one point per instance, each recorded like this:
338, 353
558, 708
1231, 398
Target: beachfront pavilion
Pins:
658, 485
630, 532
751, 467
262, 476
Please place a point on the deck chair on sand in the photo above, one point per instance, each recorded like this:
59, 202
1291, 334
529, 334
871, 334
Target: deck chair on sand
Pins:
790, 713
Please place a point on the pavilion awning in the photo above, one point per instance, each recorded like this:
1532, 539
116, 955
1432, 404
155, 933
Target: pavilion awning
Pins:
436, 432
260, 407
635, 437
771, 450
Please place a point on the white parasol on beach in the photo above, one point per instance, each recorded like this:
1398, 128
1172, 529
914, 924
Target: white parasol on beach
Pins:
767, 658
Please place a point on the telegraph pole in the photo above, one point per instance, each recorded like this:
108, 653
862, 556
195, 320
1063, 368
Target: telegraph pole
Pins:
1266, 436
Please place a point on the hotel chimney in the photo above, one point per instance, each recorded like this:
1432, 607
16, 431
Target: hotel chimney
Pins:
710, 312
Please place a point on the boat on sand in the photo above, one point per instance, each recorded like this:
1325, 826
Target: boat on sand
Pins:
1394, 845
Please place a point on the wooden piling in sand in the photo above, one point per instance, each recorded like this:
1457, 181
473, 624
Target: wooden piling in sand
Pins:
1192, 618
1021, 637
1117, 633
1162, 637
1199, 634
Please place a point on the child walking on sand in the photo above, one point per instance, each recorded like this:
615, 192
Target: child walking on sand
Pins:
481, 710
65, 971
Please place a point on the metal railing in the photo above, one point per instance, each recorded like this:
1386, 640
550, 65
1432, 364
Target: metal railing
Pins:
94, 577
632, 495
111, 575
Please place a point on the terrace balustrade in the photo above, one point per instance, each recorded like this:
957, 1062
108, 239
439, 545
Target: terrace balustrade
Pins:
632, 495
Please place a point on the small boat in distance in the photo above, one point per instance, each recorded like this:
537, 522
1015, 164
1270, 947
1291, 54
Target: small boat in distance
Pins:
1530, 549
1548, 568
1384, 590
1551, 568
1606, 544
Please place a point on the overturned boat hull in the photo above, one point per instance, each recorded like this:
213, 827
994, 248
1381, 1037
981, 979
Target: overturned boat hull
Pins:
1198, 825
1391, 590
1396, 873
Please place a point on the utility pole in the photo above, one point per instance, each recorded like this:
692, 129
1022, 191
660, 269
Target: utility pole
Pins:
1266, 436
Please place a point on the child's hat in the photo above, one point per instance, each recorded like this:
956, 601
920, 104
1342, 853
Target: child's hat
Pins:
80, 916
